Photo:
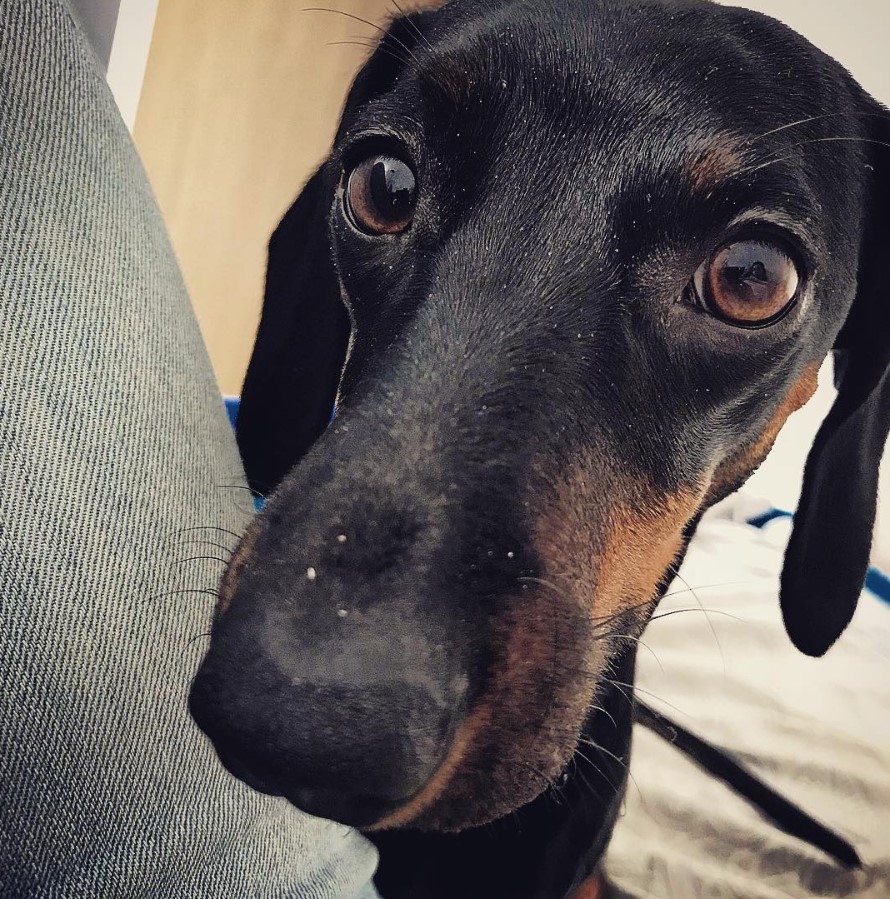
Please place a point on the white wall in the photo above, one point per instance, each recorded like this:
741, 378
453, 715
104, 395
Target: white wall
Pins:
129, 54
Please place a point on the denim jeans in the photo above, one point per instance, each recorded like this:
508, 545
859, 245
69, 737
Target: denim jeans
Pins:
119, 501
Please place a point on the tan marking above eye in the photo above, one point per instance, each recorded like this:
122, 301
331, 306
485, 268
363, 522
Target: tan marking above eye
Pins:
718, 159
748, 282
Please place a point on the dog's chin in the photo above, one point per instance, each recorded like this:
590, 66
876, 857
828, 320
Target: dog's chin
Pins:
360, 812
478, 796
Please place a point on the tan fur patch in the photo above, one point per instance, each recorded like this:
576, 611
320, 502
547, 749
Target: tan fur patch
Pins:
513, 743
435, 788
715, 164
594, 888
737, 468
643, 543
606, 549
614, 564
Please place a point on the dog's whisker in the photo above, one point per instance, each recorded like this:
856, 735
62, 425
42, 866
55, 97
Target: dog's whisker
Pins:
541, 582
598, 708
238, 487
413, 26
386, 35
201, 559
624, 764
819, 118
751, 169
369, 45
183, 592
192, 640
701, 587
209, 527
593, 790
605, 620
617, 636
622, 686
596, 747
199, 542
710, 623
662, 615
579, 752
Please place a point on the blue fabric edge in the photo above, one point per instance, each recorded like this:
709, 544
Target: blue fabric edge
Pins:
233, 406
876, 581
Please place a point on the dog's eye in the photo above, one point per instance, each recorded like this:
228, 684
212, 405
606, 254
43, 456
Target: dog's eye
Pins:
751, 283
381, 195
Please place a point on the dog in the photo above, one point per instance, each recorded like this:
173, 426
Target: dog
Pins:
568, 269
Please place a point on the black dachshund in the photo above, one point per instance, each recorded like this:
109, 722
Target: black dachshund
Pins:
568, 269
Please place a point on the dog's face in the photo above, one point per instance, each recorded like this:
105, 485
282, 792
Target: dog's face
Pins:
576, 263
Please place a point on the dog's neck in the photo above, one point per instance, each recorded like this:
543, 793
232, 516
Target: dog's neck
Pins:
543, 851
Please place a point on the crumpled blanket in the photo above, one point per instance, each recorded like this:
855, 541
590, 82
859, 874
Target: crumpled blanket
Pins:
717, 660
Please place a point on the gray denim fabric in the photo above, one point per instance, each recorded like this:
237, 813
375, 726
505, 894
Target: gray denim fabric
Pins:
113, 446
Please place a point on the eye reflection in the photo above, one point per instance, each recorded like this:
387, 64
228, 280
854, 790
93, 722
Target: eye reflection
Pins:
748, 282
381, 195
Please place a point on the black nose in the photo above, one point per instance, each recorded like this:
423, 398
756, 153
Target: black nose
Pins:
349, 732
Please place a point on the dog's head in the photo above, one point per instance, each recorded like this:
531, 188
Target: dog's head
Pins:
567, 271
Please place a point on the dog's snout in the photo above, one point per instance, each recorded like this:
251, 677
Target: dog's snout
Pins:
347, 725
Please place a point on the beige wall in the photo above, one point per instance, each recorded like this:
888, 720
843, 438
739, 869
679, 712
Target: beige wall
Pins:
239, 104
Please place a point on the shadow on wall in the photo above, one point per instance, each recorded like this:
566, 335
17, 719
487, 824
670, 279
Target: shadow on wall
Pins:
99, 19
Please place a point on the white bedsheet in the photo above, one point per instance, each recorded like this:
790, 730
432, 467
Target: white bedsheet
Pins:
816, 729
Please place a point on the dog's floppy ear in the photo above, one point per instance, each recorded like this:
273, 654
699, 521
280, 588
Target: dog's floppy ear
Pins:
300, 347
301, 344
828, 555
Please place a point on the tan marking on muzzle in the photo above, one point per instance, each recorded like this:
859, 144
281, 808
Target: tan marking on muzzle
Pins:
511, 724
463, 740
611, 540
740, 465
593, 888
238, 560
548, 661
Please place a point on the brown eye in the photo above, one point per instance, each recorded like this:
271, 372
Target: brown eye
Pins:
381, 195
751, 283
